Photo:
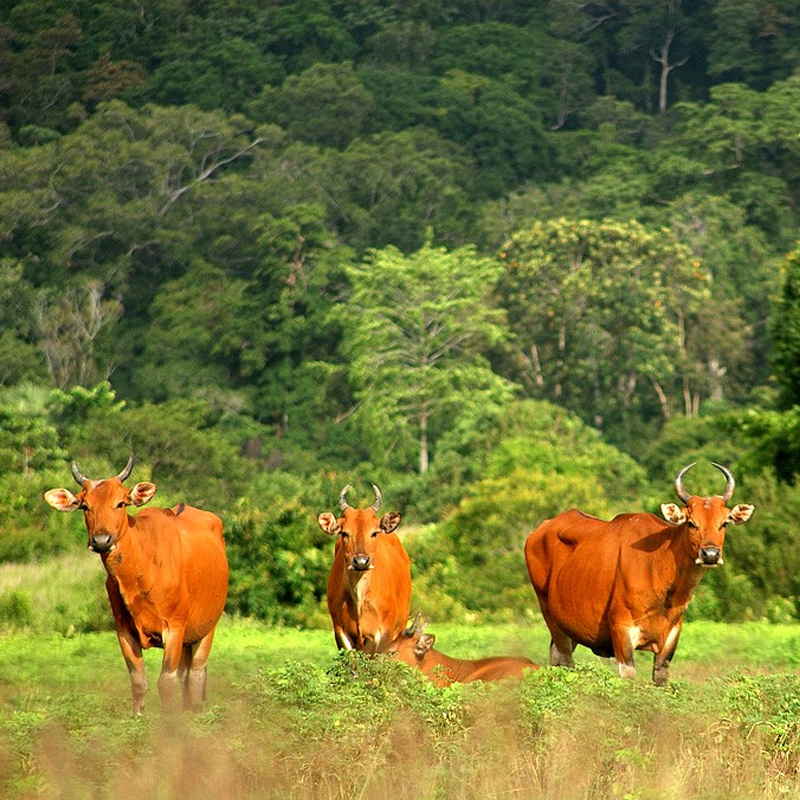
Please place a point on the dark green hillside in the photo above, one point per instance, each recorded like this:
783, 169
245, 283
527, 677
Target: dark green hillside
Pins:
277, 247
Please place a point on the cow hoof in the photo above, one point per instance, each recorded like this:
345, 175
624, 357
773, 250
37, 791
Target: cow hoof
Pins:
629, 673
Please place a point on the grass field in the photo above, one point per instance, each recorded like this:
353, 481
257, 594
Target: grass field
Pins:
288, 717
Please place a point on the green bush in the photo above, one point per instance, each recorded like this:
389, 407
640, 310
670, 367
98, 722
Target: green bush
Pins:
548, 461
16, 609
279, 558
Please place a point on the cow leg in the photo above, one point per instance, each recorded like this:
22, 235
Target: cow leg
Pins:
195, 682
622, 640
662, 659
183, 671
561, 646
561, 649
132, 653
168, 679
342, 639
129, 644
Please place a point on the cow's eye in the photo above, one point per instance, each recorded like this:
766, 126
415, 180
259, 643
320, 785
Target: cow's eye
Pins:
692, 523
121, 504
375, 533
344, 534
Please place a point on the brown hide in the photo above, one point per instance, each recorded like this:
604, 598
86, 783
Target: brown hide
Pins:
369, 585
624, 585
167, 581
415, 648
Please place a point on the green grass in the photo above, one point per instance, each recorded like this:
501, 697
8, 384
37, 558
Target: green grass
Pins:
288, 717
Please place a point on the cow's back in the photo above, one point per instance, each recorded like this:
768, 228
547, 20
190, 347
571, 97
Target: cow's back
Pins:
393, 591
550, 545
578, 564
497, 668
186, 552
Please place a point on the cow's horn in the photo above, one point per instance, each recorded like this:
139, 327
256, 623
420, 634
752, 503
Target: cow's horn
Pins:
681, 492
78, 475
343, 504
127, 471
378, 499
418, 625
731, 485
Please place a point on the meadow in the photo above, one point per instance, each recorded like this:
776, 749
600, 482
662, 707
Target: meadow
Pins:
289, 717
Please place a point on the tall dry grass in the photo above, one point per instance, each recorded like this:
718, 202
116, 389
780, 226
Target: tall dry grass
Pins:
353, 728
288, 718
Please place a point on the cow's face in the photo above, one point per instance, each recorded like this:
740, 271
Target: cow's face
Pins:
358, 530
705, 520
104, 505
412, 645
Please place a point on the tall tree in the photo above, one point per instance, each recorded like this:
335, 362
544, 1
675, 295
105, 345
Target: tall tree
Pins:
785, 325
72, 327
658, 31
600, 309
753, 41
415, 330
327, 105
19, 357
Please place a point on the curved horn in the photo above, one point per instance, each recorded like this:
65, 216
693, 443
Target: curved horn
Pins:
343, 504
731, 484
680, 491
378, 499
79, 477
127, 471
418, 625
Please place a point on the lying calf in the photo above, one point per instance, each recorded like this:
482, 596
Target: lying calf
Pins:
415, 648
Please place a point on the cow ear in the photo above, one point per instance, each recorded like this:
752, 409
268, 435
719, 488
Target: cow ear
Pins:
424, 644
142, 493
673, 513
741, 513
62, 499
390, 521
329, 523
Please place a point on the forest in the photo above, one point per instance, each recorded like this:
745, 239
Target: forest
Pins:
500, 258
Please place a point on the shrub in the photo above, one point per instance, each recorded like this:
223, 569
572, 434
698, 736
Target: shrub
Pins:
16, 609
278, 557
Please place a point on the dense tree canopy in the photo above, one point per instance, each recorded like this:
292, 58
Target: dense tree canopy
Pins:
332, 241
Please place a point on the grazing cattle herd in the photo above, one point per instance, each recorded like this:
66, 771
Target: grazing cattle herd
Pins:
615, 587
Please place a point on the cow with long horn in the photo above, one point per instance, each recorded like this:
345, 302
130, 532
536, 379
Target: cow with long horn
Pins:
369, 585
167, 579
624, 585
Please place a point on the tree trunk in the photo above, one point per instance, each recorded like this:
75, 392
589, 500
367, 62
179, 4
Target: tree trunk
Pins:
663, 59
662, 398
423, 443
715, 375
537, 367
562, 347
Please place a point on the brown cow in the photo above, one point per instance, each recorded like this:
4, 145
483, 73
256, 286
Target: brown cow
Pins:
369, 586
415, 648
624, 585
167, 579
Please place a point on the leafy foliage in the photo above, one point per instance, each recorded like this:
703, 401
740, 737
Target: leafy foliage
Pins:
414, 334
544, 461
786, 331
224, 227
